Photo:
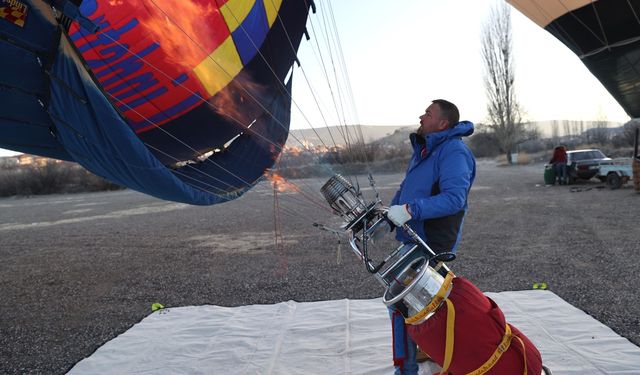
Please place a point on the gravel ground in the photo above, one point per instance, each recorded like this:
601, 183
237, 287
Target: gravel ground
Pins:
78, 270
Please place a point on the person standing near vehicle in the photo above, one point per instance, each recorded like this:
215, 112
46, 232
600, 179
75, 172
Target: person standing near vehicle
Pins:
432, 199
559, 162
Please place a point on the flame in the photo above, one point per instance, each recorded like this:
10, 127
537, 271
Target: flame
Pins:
176, 25
280, 184
240, 101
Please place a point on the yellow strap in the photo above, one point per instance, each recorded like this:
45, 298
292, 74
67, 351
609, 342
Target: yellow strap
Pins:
448, 344
502, 347
435, 302
524, 354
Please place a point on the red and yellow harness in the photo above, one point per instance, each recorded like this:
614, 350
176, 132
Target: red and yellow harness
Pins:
436, 302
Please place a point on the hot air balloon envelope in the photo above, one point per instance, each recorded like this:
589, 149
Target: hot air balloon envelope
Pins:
184, 100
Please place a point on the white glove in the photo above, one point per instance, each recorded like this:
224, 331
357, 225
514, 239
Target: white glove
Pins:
399, 214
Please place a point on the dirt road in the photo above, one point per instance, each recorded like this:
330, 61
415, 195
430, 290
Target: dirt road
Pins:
77, 270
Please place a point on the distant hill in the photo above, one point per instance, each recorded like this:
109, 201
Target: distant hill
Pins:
574, 126
397, 136
374, 133
331, 134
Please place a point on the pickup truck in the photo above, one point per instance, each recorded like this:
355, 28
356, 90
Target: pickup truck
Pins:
615, 172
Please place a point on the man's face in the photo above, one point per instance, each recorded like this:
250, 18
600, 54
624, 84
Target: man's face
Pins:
431, 121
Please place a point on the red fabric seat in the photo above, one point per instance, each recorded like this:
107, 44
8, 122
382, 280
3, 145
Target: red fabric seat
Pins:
479, 328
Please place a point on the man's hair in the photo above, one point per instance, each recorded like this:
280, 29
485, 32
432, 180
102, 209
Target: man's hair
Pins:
449, 111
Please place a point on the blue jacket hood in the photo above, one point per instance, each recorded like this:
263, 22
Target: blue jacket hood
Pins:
462, 129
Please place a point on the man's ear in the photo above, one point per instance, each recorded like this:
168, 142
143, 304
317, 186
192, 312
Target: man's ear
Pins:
443, 125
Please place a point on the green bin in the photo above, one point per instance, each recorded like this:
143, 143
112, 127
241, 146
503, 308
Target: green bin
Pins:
549, 174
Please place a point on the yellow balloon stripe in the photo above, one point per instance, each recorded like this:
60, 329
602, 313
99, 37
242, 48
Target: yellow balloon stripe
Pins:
272, 7
220, 67
235, 11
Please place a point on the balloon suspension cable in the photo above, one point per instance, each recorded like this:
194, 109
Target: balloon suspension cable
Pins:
183, 143
208, 160
200, 98
244, 89
248, 129
281, 185
277, 231
334, 38
308, 83
222, 68
338, 234
270, 67
196, 94
241, 26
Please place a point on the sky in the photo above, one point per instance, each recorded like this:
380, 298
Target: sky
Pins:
401, 54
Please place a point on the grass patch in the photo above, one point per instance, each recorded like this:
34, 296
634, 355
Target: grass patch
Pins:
51, 178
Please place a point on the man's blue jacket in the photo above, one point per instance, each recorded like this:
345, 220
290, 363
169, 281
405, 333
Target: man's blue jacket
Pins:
436, 186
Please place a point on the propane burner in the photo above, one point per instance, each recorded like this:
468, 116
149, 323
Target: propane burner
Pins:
345, 200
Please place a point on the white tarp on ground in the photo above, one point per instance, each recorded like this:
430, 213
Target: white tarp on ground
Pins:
339, 337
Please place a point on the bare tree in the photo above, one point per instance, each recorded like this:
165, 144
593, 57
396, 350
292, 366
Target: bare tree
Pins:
600, 133
629, 131
504, 111
555, 132
576, 128
566, 125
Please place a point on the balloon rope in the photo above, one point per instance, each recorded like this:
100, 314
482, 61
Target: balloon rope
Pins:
227, 73
306, 78
210, 104
241, 26
345, 137
329, 40
200, 98
304, 145
347, 80
249, 37
293, 49
278, 146
338, 106
182, 142
277, 232
309, 198
322, 63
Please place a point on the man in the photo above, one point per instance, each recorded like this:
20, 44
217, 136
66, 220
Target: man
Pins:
432, 199
559, 162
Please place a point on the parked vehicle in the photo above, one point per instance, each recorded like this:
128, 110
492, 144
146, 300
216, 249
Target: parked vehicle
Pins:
585, 164
616, 172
